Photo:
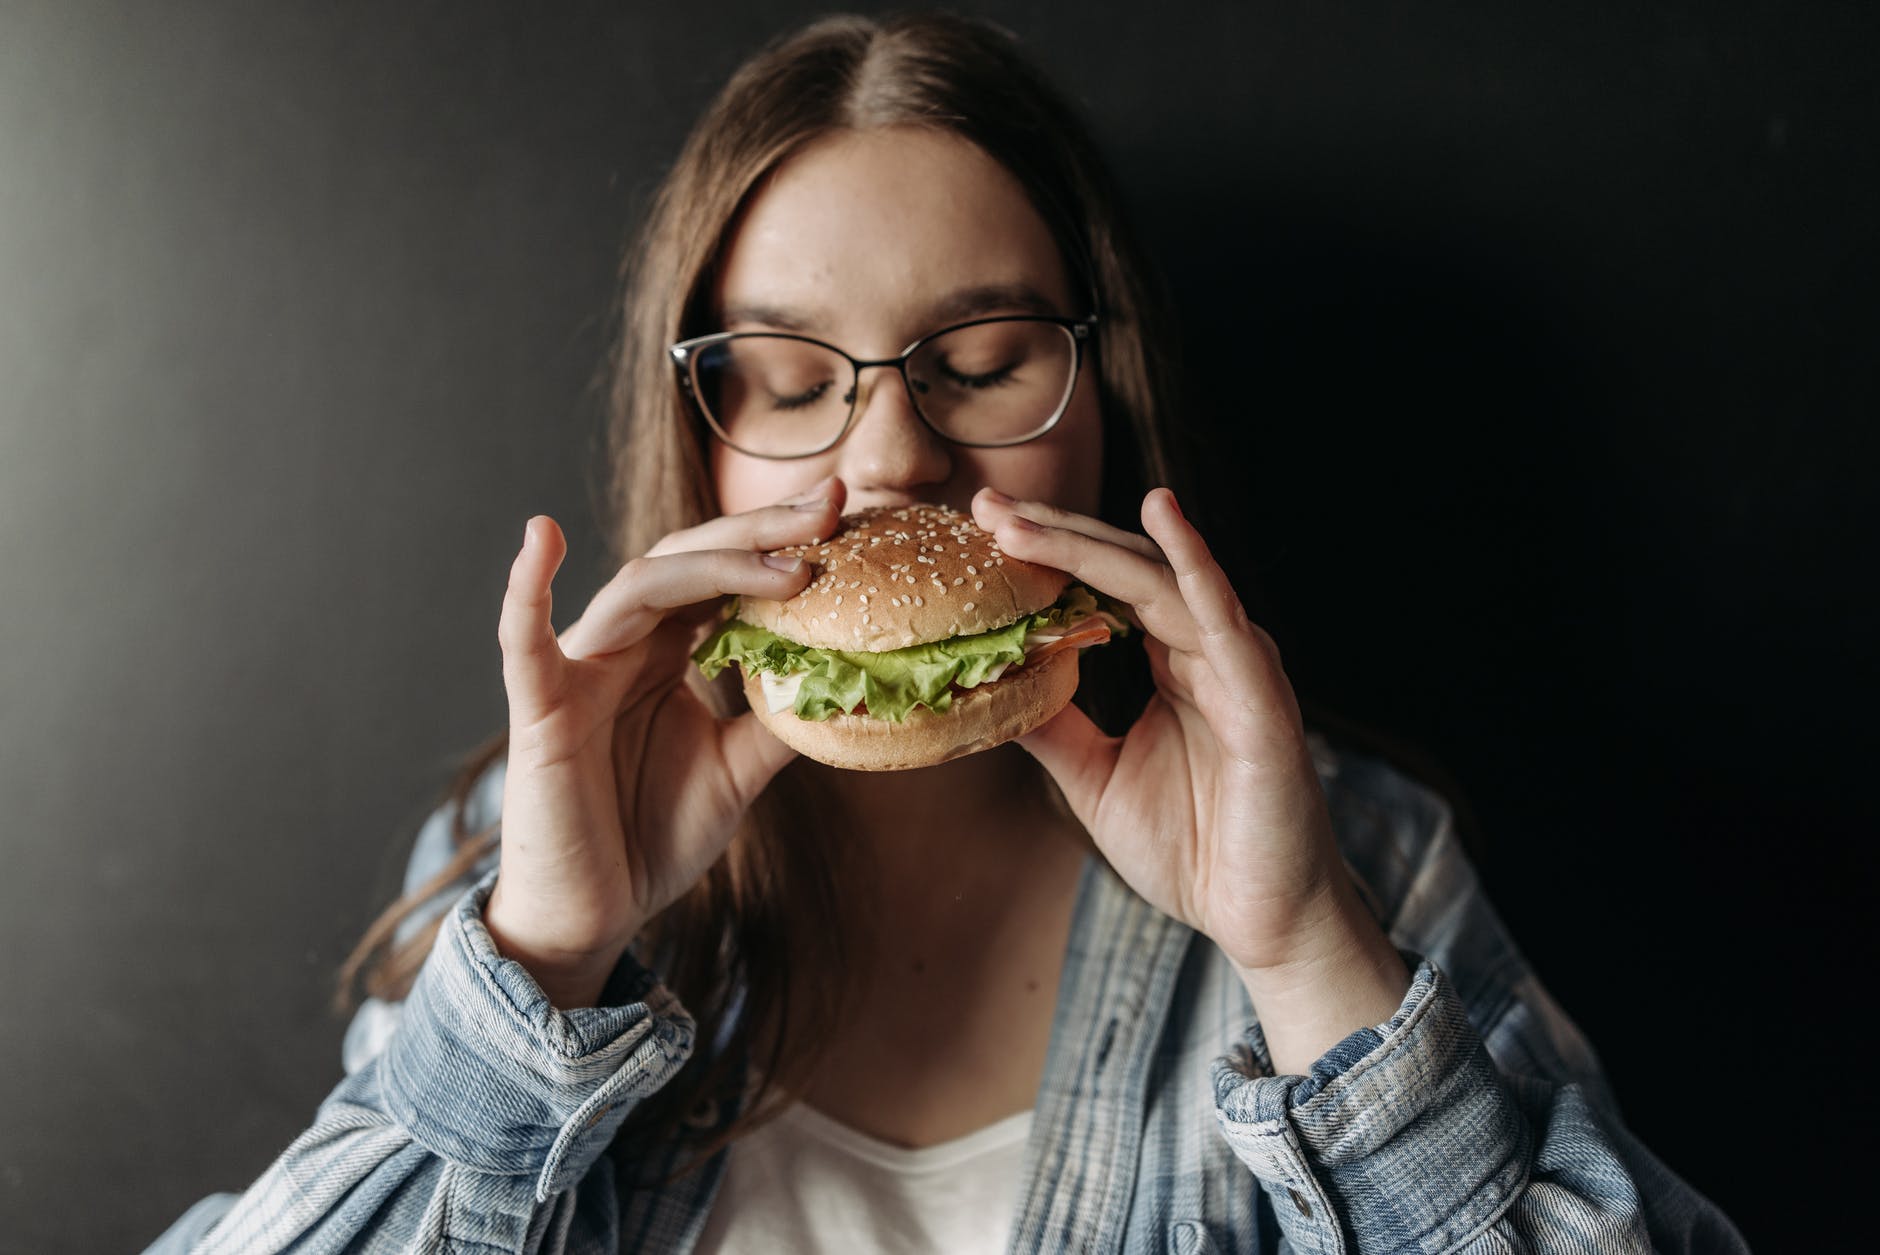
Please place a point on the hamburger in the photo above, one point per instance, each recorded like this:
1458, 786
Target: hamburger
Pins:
916, 641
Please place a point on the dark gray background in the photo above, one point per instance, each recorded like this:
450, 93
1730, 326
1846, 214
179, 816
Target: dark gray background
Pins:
1532, 348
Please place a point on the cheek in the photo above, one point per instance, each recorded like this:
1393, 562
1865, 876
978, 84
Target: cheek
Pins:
746, 483
1063, 467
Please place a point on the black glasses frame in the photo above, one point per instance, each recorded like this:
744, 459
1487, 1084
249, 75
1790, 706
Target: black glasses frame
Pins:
684, 357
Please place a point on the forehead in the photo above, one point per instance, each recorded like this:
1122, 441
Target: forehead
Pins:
875, 232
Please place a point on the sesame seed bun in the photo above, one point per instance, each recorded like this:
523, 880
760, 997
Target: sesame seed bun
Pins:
978, 719
896, 576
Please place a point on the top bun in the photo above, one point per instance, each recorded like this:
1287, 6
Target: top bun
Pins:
896, 576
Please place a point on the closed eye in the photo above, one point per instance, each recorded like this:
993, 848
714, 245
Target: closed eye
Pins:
985, 379
801, 400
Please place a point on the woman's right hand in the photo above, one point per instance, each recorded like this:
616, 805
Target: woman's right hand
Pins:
623, 788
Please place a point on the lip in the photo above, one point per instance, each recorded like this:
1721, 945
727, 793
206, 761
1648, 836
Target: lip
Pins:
855, 505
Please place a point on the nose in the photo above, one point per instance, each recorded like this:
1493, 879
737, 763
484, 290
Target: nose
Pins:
889, 449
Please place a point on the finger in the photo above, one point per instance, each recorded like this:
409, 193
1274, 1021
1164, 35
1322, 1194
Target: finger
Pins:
753, 755
645, 590
1146, 584
802, 518
1236, 649
1079, 757
533, 664
992, 507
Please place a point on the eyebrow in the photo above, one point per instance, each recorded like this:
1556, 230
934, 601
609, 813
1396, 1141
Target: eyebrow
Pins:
960, 306
992, 298
781, 317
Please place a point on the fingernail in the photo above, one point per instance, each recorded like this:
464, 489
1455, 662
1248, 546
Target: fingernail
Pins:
1022, 523
782, 562
817, 504
528, 533
996, 497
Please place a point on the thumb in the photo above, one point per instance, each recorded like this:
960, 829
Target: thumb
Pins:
1079, 757
533, 664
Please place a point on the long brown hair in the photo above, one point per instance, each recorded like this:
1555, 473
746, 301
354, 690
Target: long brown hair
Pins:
759, 921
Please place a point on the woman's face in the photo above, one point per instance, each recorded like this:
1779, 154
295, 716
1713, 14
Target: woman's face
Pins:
869, 240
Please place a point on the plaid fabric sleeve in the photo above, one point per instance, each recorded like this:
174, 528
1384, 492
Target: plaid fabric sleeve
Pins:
476, 1125
1476, 1119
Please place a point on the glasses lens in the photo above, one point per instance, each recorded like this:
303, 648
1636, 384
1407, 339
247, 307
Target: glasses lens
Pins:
996, 382
772, 395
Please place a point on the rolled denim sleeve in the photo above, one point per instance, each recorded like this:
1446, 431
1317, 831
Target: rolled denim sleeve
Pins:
483, 1072
1476, 1119
476, 1124
1404, 1137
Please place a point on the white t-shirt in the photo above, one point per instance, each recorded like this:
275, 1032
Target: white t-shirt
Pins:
806, 1183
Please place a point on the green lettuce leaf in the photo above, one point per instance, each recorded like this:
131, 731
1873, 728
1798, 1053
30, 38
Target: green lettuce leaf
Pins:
895, 681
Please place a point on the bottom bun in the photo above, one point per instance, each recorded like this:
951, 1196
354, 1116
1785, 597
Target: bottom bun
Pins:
979, 719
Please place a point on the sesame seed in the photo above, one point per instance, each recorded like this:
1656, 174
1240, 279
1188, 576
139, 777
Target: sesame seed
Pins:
919, 602
864, 618
958, 580
971, 569
894, 601
978, 584
838, 599
873, 589
969, 605
864, 597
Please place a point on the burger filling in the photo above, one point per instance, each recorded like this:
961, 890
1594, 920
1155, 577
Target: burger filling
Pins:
817, 683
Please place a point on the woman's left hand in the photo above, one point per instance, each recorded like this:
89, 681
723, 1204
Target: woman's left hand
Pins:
1210, 807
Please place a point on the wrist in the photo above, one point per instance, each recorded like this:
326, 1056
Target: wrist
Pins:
570, 977
1342, 975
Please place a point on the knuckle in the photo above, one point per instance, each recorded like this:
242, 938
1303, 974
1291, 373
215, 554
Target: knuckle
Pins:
515, 642
781, 526
635, 572
734, 566
509, 627
1044, 512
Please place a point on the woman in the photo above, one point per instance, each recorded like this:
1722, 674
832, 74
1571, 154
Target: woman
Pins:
720, 1000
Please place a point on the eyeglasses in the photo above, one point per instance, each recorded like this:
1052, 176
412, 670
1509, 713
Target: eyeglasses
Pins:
987, 383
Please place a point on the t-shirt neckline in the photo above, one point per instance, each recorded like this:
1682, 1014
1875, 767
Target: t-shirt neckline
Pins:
948, 1154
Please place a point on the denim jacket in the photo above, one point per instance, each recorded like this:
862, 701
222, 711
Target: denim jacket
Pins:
477, 1117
